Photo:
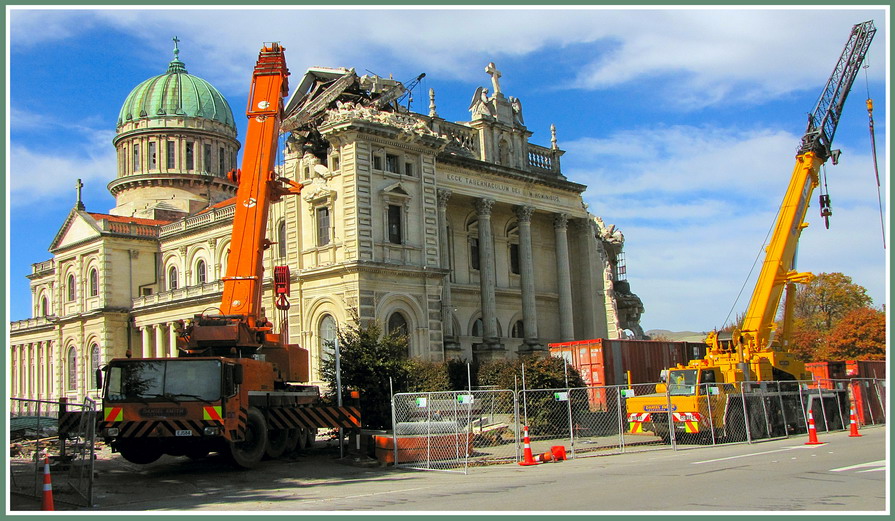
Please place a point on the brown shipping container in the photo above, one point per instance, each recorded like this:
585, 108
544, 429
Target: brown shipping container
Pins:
604, 362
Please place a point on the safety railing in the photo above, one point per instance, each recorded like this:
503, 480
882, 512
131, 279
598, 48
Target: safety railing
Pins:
65, 432
458, 429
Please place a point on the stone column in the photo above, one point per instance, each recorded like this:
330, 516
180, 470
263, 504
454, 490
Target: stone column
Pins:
146, 348
564, 278
447, 320
527, 275
172, 340
160, 340
487, 276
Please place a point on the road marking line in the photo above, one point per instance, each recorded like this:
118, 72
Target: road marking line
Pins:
878, 463
752, 454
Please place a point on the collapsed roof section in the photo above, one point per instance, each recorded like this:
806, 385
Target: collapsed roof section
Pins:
324, 88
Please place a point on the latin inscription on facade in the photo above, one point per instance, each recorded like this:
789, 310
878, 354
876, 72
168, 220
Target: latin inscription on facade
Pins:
499, 187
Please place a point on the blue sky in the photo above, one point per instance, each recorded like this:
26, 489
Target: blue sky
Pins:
683, 123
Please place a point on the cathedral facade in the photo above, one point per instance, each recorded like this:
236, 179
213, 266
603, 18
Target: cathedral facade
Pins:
464, 236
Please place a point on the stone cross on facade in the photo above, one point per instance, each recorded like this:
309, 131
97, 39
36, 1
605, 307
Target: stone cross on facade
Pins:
79, 204
495, 76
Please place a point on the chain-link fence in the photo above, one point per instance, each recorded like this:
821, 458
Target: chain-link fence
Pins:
66, 433
457, 429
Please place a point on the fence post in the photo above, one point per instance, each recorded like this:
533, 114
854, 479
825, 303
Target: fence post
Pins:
621, 419
708, 400
879, 398
823, 409
745, 412
391, 392
571, 425
671, 437
782, 410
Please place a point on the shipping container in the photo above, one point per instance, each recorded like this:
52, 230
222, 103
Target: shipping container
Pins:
603, 362
867, 389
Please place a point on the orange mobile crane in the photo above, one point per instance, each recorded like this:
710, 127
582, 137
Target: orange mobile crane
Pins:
236, 387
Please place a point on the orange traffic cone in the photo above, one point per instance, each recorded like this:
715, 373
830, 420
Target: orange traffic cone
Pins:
559, 453
545, 457
854, 424
812, 431
526, 452
47, 503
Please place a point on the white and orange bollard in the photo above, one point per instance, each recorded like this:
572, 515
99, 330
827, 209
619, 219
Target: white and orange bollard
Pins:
854, 424
47, 503
812, 430
528, 458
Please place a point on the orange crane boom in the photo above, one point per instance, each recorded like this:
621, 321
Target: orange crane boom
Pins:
258, 186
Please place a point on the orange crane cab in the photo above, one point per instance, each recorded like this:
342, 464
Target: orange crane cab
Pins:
237, 387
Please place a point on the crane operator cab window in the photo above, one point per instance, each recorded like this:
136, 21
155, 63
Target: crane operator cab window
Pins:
682, 382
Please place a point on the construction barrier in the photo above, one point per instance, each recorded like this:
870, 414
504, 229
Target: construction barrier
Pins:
460, 429
57, 436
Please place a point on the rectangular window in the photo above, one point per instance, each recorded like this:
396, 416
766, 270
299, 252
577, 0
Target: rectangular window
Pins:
222, 162
170, 155
377, 162
391, 163
474, 252
334, 162
153, 156
206, 158
514, 259
190, 162
408, 169
136, 157
322, 226
394, 224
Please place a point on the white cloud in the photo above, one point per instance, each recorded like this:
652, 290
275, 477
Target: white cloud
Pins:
39, 175
715, 55
696, 204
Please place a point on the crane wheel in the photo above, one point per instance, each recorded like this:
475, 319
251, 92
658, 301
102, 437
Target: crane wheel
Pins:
277, 442
140, 453
292, 438
247, 453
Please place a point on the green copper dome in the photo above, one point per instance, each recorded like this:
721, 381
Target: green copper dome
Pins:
176, 93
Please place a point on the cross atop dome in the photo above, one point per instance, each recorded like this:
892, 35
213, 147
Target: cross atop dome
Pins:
176, 65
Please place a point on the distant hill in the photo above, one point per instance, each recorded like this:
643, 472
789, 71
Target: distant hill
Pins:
676, 336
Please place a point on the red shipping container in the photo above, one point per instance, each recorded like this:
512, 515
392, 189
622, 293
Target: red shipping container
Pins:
603, 362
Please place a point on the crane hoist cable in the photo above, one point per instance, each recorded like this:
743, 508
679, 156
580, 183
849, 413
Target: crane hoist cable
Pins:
879, 196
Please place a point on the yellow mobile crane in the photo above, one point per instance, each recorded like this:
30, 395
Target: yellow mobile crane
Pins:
720, 391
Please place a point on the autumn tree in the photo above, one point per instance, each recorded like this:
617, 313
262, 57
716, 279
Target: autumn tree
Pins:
859, 335
826, 299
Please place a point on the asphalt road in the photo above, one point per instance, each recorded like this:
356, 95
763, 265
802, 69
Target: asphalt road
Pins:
842, 474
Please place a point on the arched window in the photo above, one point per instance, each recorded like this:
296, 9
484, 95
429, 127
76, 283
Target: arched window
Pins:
478, 328
201, 272
327, 334
70, 288
518, 330
94, 282
397, 324
281, 239
72, 359
94, 365
172, 278
44, 306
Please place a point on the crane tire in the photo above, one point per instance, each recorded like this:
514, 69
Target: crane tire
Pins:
140, 453
277, 441
248, 453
